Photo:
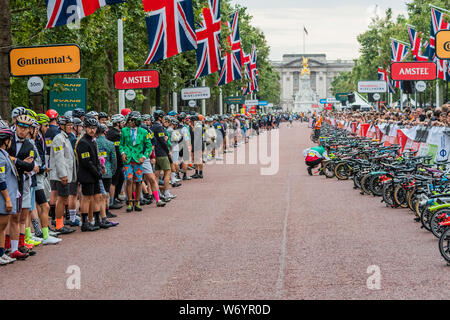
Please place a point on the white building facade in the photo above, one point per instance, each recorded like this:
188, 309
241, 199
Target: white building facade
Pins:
323, 72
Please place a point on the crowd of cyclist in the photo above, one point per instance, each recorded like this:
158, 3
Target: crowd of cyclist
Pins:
61, 172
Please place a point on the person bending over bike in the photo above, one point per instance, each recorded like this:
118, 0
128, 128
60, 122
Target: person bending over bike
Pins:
315, 156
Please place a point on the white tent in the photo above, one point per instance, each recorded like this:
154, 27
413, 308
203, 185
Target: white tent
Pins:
360, 101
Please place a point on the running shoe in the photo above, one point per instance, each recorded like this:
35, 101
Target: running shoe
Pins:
112, 223
51, 240
8, 259
137, 208
53, 233
65, 230
130, 208
309, 171
187, 178
116, 206
32, 242
26, 250
89, 227
111, 215
75, 223
161, 203
19, 255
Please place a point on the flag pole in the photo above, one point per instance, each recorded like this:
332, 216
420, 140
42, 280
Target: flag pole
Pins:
304, 40
441, 9
121, 65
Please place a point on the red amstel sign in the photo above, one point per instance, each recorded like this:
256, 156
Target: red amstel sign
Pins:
413, 71
124, 80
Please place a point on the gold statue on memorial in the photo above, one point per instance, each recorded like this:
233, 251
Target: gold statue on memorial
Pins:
305, 69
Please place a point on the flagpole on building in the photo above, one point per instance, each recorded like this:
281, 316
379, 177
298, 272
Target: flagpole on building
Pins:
304, 40
121, 65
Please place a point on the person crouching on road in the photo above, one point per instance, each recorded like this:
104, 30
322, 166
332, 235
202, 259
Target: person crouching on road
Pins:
315, 156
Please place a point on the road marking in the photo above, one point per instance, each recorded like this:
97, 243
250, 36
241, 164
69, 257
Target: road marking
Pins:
280, 281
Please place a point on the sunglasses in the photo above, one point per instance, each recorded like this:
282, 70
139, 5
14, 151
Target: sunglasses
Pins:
24, 125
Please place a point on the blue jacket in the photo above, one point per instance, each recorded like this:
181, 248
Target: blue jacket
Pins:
9, 176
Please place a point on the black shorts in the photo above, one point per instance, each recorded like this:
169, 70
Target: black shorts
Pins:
90, 189
314, 163
118, 176
53, 185
107, 184
70, 189
40, 197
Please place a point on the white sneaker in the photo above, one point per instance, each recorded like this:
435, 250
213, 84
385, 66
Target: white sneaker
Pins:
5, 259
172, 196
52, 233
51, 240
34, 238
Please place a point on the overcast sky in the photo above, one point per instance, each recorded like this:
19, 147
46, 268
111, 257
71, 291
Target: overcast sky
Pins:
332, 25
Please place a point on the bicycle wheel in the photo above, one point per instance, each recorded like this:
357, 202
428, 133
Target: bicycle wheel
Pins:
434, 222
388, 191
376, 186
425, 219
365, 184
409, 198
444, 245
400, 196
329, 170
418, 209
357, 180
342, 171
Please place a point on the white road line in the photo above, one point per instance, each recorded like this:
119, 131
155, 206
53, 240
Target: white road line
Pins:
280, 280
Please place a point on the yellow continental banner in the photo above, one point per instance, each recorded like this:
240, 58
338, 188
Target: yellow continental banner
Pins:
41, 60
443, 44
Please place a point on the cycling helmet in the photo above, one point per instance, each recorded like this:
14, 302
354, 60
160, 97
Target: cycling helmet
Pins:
78, 113
182, 116
52, 114
134, 115
92, 114
5, 131
146, 117
77, 122
65, 120
102, 115
172, 113
101, 128
117, 118
167, 118
69, 113
90, 122
24, 119
174, 121
35, 124
42, 119
158, 114
31, 113
125, 112
18, 111
194, 118
109, 124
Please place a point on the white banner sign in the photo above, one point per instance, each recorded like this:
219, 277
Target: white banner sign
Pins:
250, 103
372, 86
199, 93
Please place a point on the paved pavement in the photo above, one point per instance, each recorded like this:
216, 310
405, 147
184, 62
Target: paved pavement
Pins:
241, 235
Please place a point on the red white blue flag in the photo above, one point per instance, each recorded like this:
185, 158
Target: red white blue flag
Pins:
383, 75
63, 12
170, 26
416, 45
399, 51
438, 23
230, 68
208, 41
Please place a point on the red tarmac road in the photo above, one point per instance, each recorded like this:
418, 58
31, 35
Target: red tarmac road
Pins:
240, 235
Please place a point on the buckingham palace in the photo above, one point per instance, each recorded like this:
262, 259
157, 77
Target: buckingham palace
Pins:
323, 72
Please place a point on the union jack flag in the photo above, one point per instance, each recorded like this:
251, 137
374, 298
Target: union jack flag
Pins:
254, 70
383, 75
208, 41
170, 26
230, 68
62, 12
438, 23
399, 51
416, 45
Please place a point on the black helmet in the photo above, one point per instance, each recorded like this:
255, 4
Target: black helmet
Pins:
90, 122
101, 128
182, 116
63, 120
194, 118
102, 115
77, 122
78, 113
158, 114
